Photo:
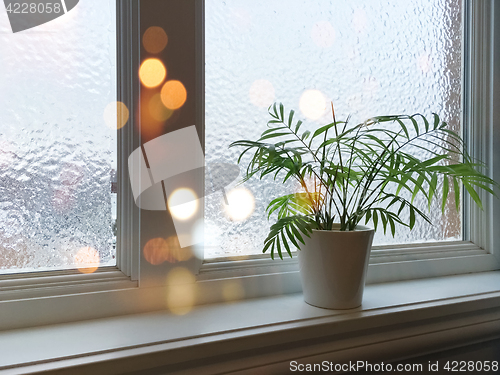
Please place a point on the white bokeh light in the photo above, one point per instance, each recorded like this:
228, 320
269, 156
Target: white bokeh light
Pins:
312, 104
183, 203
241, 204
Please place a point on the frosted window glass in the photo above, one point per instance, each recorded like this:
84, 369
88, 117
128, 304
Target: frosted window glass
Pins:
57, 157
368, 57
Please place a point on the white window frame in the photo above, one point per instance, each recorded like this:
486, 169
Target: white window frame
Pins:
134, 286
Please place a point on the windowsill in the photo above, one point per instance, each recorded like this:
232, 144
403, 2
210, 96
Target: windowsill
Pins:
402, 318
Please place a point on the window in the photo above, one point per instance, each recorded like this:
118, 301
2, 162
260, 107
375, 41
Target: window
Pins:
58, 157
136, 285
367, 57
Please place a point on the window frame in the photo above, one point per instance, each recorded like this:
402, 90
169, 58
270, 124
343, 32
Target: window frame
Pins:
132, 286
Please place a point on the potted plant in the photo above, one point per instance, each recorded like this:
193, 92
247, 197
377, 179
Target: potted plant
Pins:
352, 175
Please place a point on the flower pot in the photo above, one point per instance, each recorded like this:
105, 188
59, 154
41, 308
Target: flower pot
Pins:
333, 267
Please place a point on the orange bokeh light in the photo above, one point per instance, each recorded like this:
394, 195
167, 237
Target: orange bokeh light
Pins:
152, 72
148, 126
157, 110
173, 94
87, 260
156, 251
116, 115
155, 39
159, 250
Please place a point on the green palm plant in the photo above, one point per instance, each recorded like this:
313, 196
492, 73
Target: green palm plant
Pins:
354, 173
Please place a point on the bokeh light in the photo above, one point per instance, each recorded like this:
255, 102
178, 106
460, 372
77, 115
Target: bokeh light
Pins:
241, 204
241, 19
116, 115
148, 126
183, 203
181, 290
198, 238
262, 93
424, 62
323, 34
178, 253
312, 104
173, 94
359, 20
156, 251
233, 291
152, 73
155, 39
160, 250
87, 260
157, 110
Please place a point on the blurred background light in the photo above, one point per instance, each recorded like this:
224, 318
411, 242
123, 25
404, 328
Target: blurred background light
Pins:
181, 290
312, 104
116, 115
152, 72
241, 204
87, 259
157, 110
155, 39
173, 94
183, 203
233, 291
262, 93
323, 34
156, 251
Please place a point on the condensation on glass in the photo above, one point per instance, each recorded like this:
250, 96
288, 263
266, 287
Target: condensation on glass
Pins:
367, 57
57, 156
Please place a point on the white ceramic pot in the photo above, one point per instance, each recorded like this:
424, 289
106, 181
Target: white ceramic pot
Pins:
333, 267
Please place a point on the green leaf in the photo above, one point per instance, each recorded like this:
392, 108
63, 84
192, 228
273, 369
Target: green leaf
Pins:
456, 190
403, 126
273, 135
436, 120
267, 245
415, 125
297, 233
417, 187
375, 219
278, 247
368, 216
322, 130
384, 220
273, 129
432, 188
285, 243
473, 194
291, 237
412, 217
290, 118
275, 111
393, 226
297, 127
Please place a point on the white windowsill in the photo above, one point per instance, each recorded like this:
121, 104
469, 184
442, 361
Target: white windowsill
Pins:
401, 318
